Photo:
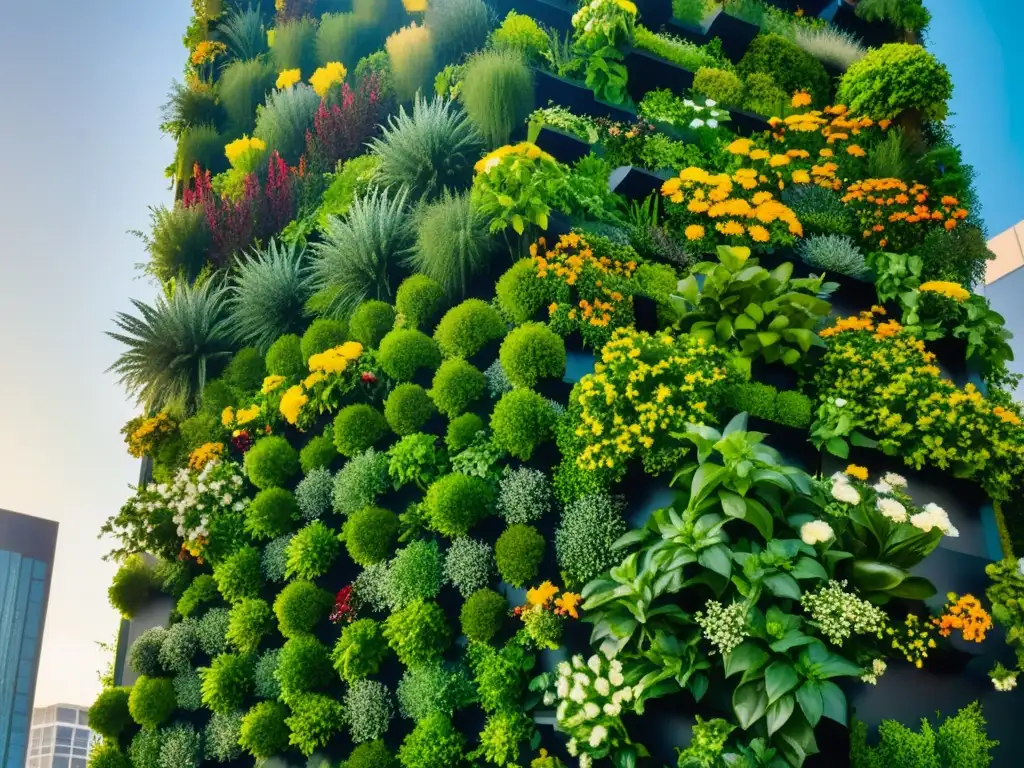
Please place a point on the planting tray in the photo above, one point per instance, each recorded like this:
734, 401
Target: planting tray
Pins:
736, 35
635, 183
552, 89
748, 123
564, 147
555, 14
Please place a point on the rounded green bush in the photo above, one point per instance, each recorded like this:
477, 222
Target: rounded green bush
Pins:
284, 358
246, 371
360, 482
370, 535
372, 754
762, 95
188, 690
144, 653
250, 621
521, 421
212, 631
462, 431
319, 452
420, 300
723, 86
468, 327
152, 701
532, 352
133, 584
315, 494
357, 427
239, 576
264, 731
201, 591
416, 572
271, 513
896, 78
408, 408
314, 720
457, 385
518, 553
360, 650
323, 333
370, 322
793, 409
227, 681
519, 292
144, 751
483, 614
311, 551
180, 646
405, 351
300, 606
271, 462
456, 502
792, 67
417, 633
109, 715
217, 396
435, 741
108, 755
304, 666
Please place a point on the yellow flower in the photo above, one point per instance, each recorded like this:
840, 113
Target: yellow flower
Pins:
861, 473
759, 154
245, 415
949, 290
415, 6
800, 177
313, 379
855, 150
291, 403
204, 454
227, 416
759, 234
541, 595
240, 147
271, 383
568, 603
778, 160
326, 76
288, 77
740, 147
694, 232
801, 99
730, 228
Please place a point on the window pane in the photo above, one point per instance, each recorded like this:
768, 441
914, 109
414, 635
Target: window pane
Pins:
64, 733
83, 717
65, 715
61, 762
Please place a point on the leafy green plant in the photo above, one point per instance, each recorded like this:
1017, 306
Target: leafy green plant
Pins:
314, 720
417, 633
532, 352
500, 673
300, 606
108, 755
318, 454
520, 294
466, 328
434, 687
521, 421
501, 737
359, 651
514, 184
202, 590
243, 87
792, 68
793, 409
433, 742
151, 701
371, 321
420, 300
462, 431
468, 565
722, 85
238, 576
271, 462
265, 732
284, 357
373, 754
178, 242
834, 253
680, 52
270, 288
285, 119
522, 33
497, 93
311, 551
246, 371
368, 710
370, 535
458, 27
762, 94
132, 586
959, 256
415, 573
251, 619
584, 540
360, 482
412, 55
453, 245
417, 459
897, 78
457, 502
227, 681
905, 14
483, 614
356, 428
303, 666
109, 714
272, 513
518, 553
602, 31
404, 352
456, 386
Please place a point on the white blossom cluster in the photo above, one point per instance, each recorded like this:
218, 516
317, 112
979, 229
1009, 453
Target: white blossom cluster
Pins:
711, 119
591, 697
724, 626
934, 516
843, 490
1005, 684
839, 613
877, 669
816, 532
196, 497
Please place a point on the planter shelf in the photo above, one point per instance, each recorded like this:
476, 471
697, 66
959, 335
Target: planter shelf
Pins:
564, 147
748, 123
554, 14
873, 33
576, 97
648, 72
636, 183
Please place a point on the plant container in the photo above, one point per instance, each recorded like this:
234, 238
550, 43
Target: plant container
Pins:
648, 72
748, 123
575, 96
564, 147
736, 34
635, 183
554, 14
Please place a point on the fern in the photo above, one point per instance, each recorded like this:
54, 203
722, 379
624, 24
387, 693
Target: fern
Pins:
270, 290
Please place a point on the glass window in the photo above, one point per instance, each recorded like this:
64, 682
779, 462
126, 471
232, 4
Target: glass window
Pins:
64, 734
83, 717
78, 762
66, 715
61, 762
81, 737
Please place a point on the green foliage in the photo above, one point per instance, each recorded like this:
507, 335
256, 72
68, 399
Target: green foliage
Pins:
959, 256
109, 715
792, 68
173, 345
417, 459
518, 553
499, 673
304, 666
108, 755
434, 687
457, 27
271, 462
319, 452
360, 481
762, 95
680, 52
243, 87
519, 292
202, 590
521, 421
354, 179
300, 606
132, 586
246, 371
194, 103
359, 253
501, 737
370, 535
722, 85
220, 736
239, 576
213, 631
315, 492
265, 732
411, 52
453, 244
457, 502
690, 11
896, 78
178, 242
834, 254
959, 740
356, 428
521, 33
284, 357
890, 158
180, 644
151, 701
457, 385
359, 651
379, 65
341, 37
314, 720
227, 681
497, 93
200, 145
584, 541
295, 46
524, 495
420, 300
373, 754
433, 742
820, 210
371, 322
311, 551
432, 149
903, 14
483, 614
368, 710
793, 409
284, 120
180, 747
144, 750
272, 512
321, 335
188, 690
532, 352
250, 620
462, 431
144, 653
466, 328
754, 398
405, 351
270, 289
417, 633
265, 682
275, 558
416, 572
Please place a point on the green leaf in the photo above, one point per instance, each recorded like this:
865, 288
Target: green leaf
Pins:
517, 223
768, 338
873, 576
833, 702
837, 666
778, 713
749, 702
717, 559
808, 696
838, 447
755, 312
744, 323
780, 678
723, 330
808, 568
746, 655
698, 686
733, 504
796, 742
794, 638
782, 585
914, 588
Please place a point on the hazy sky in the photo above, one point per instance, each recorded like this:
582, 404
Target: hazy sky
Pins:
81, 157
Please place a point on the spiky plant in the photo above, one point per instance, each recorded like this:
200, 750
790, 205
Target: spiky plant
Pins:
269, 294
243, 87
830, 45
497, 93
453, 244
361, 252
431, 150
173, 345
200, 144
284, 120
459, 26
295, 46
188, 105
178, 242
243, 32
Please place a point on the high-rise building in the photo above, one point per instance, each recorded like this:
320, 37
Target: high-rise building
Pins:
60, 737
1004, 285
27, 546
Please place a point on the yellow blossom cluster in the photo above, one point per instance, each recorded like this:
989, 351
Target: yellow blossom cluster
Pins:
953, 291
327, 76
241, 148
913, 640
523, 149
965, 614
287, 78
204, 454
291, 403
336, 359
207, 51
272, 382
142, 438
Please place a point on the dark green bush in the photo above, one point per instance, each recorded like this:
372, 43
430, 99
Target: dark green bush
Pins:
144, 653
465, 329
271, 462
212, 631
251, 619
304, 666
180, 237
370, 535
420, 300
152, 701
246, 371
532, 352
285, 119
520, 293
359, 651
227, 681
108, 755
895, 78
462, 430
405, 351
132, 587
311, 551
357, 427
433, 742
959, 256
300, 606
755, 398
521, 421
144, 750
518, 554
314, 720
790, 65
109, 715
456, 502
370, 322
793, 409
373, 754
319, 452
483, 614
408, 408
201, 591
497, 93
271, 513
457, 385
323, 333
417, 633
239, 575
264, 730
265, 677
284, 358
203, 427
416, 572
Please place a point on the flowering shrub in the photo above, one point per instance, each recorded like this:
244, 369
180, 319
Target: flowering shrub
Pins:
964, 614
545, 612
341, 129
839, 614
896, 216
327, 76
913, 639
512, 184
602, 30
143, 434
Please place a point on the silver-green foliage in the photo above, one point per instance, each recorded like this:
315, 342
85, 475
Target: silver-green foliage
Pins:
295, 45
583, 542
243, 32
524, 495
434, 688
213, 631
221, 736
315, 493
834, 253
180, 747
283, 121
265, 680
368, 590
497, 93
468, 565
275, 558
188, 690
180, 644
830, 45
415, 572
360, 481
243, 87
453, 243
270, 289
458, 26
368, 710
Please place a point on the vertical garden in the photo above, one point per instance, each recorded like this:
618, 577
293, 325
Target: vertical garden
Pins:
542, 384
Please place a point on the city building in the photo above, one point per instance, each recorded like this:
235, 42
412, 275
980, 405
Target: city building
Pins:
27, 546
60, 737
1004, 286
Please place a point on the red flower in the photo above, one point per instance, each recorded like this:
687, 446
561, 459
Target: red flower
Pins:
368, 378
343, 609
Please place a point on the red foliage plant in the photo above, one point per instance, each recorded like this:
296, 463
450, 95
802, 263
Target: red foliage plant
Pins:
342, 126
343, 608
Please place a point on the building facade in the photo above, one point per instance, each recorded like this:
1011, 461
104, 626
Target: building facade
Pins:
27, 546
60, 737
1004, 286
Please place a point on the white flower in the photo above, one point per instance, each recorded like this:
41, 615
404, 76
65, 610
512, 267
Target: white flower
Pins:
601, 686
711, 102
629, 693
549, 698
712, 123
616, 678
591, 710
594, 662
696, 123
586, 761
1020, 566
612, 710
882, 487
598, 735
562, 687
952, 532
227, 499
816, 532
238, 506
934, 516
1005, 684
698, 108
588, 26
840, 402
846, 493
237, 479
560, 712
577, 661
892, 509
581, 678
897, 481
571, 747
688, 103
577, 694
616, 665
564, 669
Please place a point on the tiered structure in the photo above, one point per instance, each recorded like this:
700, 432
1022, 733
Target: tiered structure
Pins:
543, 385
60, 737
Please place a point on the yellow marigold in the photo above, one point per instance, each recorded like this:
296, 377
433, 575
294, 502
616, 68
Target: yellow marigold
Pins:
271, 383
204, 454
800, 99
730, 228
694, 232
801, 177
245, 415
239, 147
541, 595
337, 359
291, 403
949, 290
861, 473
777, 161
826, 152
740, 147
288, 77
326, 76
760, 154
759, 234
313, 379
227, 416
855, 150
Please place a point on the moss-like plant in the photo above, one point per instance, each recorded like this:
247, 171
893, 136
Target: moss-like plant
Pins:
250, 621
518, 553
483, 614
532, 352
457, 385
133, 584
462, 431
284, 358
323, 333
304, 666
271, 513
433, 742
227, 681
358, 427
521, 421
419, 300
239, 575
408, 408
152, 701
467, 328
406, 351
370, 535
271, 462
457, 502
360, 650
417, 633
201, 592
300, 606
264, 731
371, 321
311, 551
897, 78
314, 720
109, 715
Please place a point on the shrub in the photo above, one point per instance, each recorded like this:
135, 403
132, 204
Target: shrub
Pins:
465, 329
109, 715
151, 701
108, 755
793, 68
360, 481
203, 428
830, 45
271, 462
462, 431
408, 408
368, 710
521, 33
434, 687
359, 651
761, 94
356, 428
405, 351
314, 494
341, 37
202, 590
213, 631
497, 93
371, 322
314, 720
524, 495
432, 149
501, 737
227, 681
755, 398
179, 646
323, 333
271, 513
144, 751
433, 742
239, 575
202, 145
518, 553
358, 253
418, 459
311, 551
419, 300
793, 409
249, 621
284, 357
319, 453
521, 421
417, 633
894, 79
468, 565
285, 119
583, 542
133, 584
369, 589
519, 292
264, 730
243, 87
959, 256
457, 26
188, 690
180, 747
265, 682
178, 241
295, 46
379, 65
723, 86
371, 755
275, 558
144, 653
300, 606
532, 352
457, 502
483, 614
416, 572
457, 385
820, 210
220, 736
246, 371
304, 666
453, 243
411, 52
370, 535
834, 253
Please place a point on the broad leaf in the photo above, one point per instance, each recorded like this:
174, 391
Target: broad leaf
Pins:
782, 585
778, 713
749, 702
746, 655
872, 576
780, 678
833, 702
808, 696
717, 559
914, 588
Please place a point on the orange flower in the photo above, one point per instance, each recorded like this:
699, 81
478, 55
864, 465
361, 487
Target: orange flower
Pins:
759, 234
694, 232
800, 99
855, 151
568, 603
541, 595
